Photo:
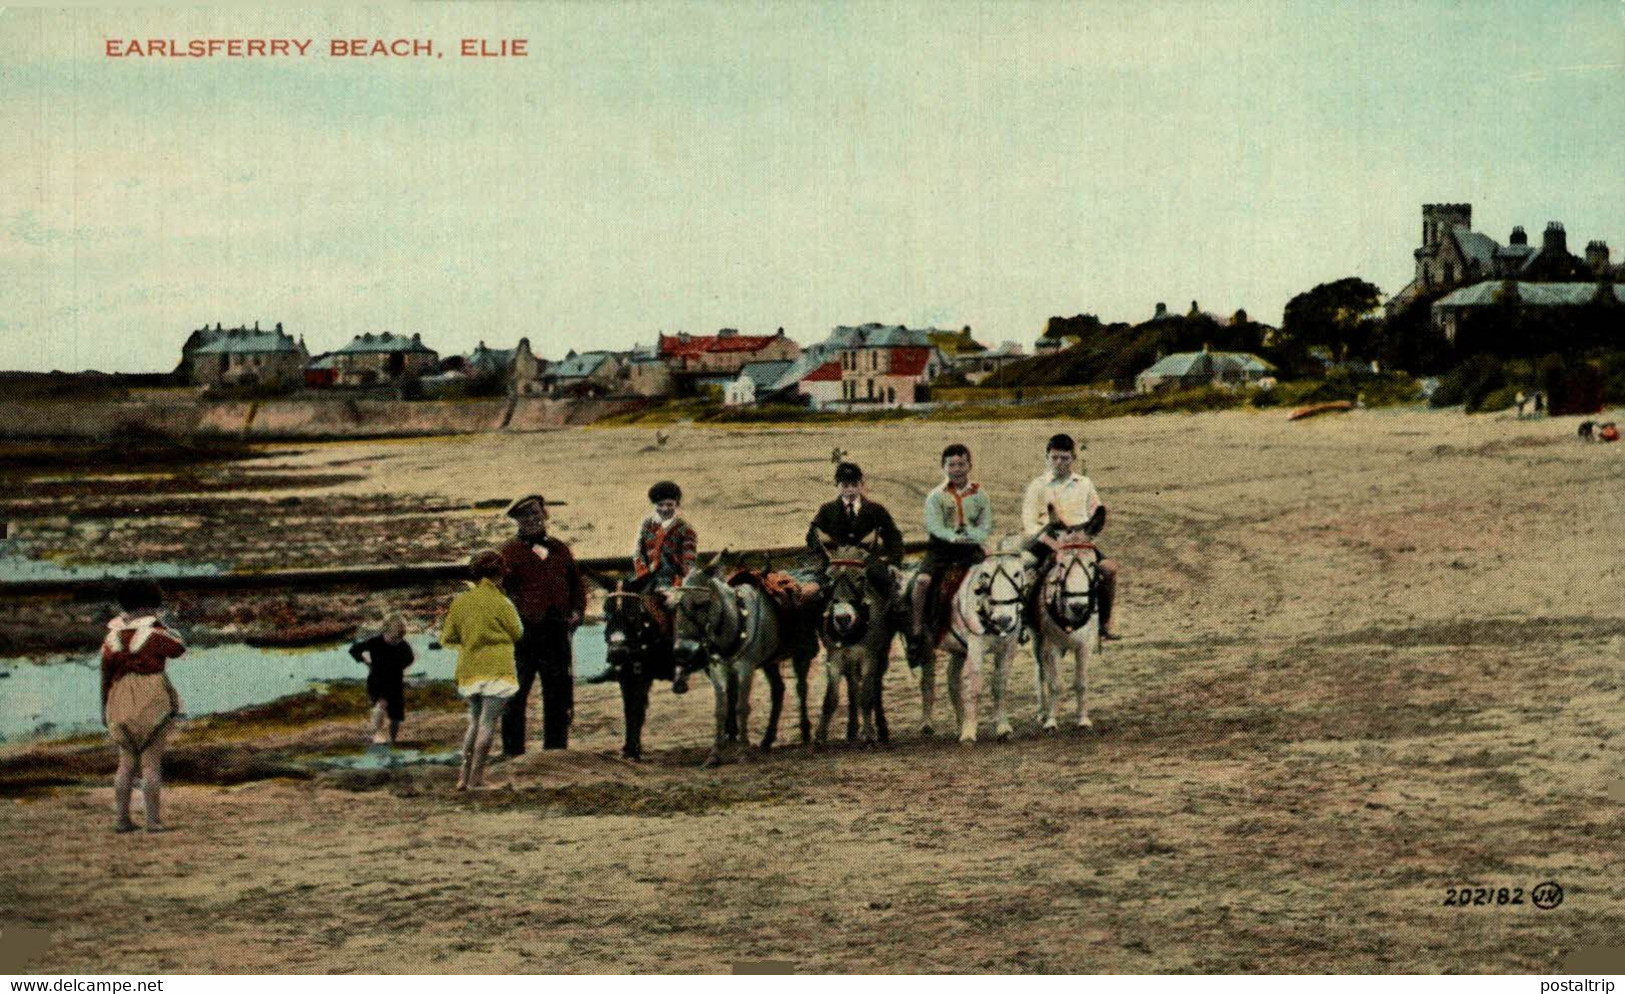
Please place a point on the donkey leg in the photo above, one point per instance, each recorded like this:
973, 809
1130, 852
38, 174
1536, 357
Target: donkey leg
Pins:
832, 700
854, 699
723, 689
775, 686
879, 680
971, 679
1080, 678
1003, 658
928, 689
803, 665
1049, 677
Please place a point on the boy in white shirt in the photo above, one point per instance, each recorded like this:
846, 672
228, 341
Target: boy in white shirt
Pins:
1061, 500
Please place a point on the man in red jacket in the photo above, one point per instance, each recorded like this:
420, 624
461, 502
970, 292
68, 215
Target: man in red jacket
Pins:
545, 585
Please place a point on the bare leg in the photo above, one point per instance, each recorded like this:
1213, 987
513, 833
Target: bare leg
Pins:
152, 783
122, 784
485, 731
468, 743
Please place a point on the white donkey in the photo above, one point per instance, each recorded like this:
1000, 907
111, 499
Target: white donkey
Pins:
985, 621
1068, 622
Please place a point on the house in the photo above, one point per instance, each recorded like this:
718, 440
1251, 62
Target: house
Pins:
978, 366
821, 385
1452, 254
1196, 369
382, 358
518, 367
888, 366
595, 374
755, 383
725, 352
249, 357
1450, 310
647, 375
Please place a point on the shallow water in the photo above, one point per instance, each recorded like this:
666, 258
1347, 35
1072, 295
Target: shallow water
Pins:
383, 757
15, 567
61, 695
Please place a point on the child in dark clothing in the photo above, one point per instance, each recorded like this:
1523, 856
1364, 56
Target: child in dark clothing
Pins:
388, 656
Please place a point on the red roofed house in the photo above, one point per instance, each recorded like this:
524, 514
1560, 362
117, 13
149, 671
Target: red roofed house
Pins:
822, 386
889, 367
723, 353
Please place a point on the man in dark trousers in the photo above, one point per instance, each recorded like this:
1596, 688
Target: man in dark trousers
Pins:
852, 519
545, 585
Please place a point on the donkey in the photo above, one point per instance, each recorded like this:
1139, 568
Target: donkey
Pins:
1067, 622
637, 638
985, 620
732, 631
857, 630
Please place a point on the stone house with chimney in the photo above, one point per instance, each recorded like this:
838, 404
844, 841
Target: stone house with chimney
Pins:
245, 357
1453, 255
371, 360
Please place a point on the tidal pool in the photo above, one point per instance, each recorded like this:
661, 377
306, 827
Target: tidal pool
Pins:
61, 695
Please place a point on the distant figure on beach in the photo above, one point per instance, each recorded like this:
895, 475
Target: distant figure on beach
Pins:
667, 545
138, 702
1060, 500
547, 588
1520, 400
483, 626
1588, 431
1540, 403
387, 656
1608, 433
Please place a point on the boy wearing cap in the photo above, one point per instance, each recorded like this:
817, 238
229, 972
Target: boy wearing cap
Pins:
544, 583
1058, 501
851, 518
667, 544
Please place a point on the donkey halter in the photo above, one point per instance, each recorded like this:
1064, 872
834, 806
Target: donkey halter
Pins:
1055, 582
985, 602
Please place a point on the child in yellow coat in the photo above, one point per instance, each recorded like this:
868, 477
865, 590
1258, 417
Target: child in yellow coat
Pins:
483, 624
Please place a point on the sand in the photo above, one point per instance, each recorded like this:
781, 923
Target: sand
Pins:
1371, 658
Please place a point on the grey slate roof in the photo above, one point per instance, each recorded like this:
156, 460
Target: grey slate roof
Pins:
766, 374
242, 342
484, 358
1530, 294
1206, 365
385, 342
881, 336
578, 366
1475, 245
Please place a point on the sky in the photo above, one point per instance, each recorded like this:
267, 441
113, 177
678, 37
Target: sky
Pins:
653, 167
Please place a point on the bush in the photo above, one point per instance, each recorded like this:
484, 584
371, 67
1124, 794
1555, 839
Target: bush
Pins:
1470, 383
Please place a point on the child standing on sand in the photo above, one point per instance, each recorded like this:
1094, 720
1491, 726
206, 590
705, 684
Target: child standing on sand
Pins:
138, 702
484, 625
387, 657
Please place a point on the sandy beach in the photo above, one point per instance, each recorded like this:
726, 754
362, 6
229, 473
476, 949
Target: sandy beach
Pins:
1371, 658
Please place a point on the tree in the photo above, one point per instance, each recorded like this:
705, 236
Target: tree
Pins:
1332, 315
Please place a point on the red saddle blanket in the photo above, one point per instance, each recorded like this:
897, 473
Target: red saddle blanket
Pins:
939, 608
782, 590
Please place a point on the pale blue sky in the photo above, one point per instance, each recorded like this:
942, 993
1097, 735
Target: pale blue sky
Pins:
694, 166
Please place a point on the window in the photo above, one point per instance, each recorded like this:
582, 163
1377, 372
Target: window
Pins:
871, 390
